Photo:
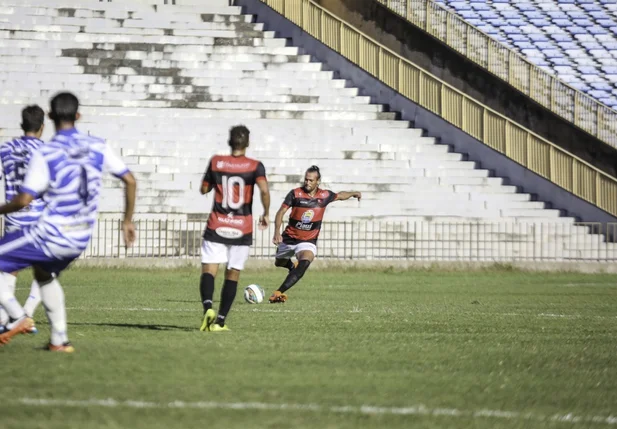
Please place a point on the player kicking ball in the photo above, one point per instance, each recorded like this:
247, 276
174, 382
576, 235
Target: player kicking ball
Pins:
308, 205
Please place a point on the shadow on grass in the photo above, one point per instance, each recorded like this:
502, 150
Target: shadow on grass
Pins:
153, 327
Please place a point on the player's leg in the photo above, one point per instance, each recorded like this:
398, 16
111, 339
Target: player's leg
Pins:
285, 263
305, 253
16, 253
212, 254
4, 315
52, 296
34, 298
237, 256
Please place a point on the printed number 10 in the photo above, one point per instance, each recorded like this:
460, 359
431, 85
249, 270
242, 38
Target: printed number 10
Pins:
229, 200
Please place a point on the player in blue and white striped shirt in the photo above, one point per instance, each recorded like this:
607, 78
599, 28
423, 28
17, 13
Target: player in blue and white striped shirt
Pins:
67, 173
14, 158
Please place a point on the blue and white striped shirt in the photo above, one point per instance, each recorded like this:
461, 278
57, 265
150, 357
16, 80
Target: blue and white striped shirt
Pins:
15, 157
67, 172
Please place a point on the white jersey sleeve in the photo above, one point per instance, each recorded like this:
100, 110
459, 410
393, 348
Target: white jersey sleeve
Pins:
113, 163
37, 178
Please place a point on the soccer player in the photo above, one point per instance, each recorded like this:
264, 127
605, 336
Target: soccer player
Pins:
14, 158
67, 172
229, 232
308, 205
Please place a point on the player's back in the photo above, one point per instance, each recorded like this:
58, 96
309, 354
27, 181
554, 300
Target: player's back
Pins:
72, 166
233, 179
15, 156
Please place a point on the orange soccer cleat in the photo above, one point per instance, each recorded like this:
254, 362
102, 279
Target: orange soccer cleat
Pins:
277, 296
22, 326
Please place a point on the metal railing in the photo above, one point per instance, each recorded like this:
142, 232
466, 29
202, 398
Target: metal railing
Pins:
374, 240
488, 126
571, 104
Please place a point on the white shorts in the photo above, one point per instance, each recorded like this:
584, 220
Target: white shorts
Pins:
218, 253
286, 251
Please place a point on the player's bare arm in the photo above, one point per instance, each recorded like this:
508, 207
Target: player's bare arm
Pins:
16, 204
264, 219
342, 196
205, 188
130, 190
278, 222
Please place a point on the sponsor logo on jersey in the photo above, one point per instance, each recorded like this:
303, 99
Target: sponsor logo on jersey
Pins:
227, 232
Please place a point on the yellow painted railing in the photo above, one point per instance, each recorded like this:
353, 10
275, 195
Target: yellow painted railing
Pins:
571, 104
474, 118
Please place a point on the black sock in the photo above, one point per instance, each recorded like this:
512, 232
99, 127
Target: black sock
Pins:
290, 265
294, 275
206, 287
228, 294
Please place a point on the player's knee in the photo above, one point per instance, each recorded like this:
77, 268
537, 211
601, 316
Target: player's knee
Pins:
302, 267
280, 262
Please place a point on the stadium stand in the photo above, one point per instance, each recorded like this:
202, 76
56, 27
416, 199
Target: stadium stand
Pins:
165, 84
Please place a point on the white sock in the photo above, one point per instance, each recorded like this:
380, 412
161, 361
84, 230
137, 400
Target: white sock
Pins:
34, 299
7, 297
53, 300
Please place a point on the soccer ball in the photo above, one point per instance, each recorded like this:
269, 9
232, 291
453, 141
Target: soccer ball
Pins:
254, 294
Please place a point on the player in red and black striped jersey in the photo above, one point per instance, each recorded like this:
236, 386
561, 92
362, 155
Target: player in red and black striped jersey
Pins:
308, 206
229, 232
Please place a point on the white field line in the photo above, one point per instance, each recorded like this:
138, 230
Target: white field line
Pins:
347, 409
357, 310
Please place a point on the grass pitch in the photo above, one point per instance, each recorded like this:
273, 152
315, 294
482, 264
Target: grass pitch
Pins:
422, 349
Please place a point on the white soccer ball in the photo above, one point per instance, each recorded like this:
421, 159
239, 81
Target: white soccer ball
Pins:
254, 294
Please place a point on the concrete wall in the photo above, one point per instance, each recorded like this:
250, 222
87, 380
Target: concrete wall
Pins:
501, 165
398, 34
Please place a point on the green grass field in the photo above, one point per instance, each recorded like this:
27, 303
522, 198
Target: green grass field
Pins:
421, 349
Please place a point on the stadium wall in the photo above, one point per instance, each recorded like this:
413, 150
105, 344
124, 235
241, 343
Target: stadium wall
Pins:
411, 42
500, 165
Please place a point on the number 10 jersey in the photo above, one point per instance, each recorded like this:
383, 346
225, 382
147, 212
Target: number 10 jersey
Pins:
233, 179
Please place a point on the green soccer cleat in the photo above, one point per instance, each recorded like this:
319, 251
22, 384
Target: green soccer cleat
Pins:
209, 318
218, 328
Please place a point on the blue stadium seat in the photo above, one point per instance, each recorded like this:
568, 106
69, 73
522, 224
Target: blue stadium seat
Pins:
577, 14
508, 14
497, 22
525, 6
517, 22
533, 14
540, 38
599, 14
519, 37
557, 14
597, 30
581, 86
560, 38
566, 1
565, 70
605, 23
541, 22
591, 45
591, 7
553, 53
563, 61
583, 22
475, 22
568, 45
539, 61
460, 6
480, 6
600, 53
532, 53
577, 30
587, 70
546, 45
508, 29
610, 69
562, 22
523, 45
468, 14
602, 86
488, 29
488, 14
569, 78
598, 94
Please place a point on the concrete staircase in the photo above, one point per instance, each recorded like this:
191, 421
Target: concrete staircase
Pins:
165, 83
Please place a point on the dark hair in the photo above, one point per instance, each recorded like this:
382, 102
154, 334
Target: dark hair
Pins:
32, 119
314, 169
64, 107
239, 137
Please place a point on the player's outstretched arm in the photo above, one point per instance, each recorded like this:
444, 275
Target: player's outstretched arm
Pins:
342, 196
130, 191
264, 190
278, 222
